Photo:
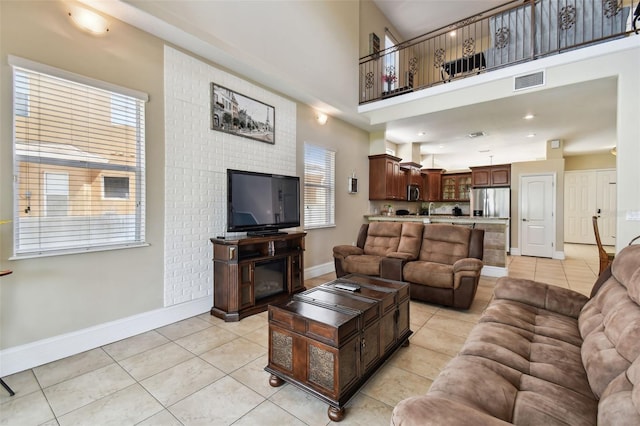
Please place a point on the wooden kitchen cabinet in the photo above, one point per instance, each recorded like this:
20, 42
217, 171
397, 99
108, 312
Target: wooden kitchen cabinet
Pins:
414, 176
490, 176
386, 180
432, 184
456, 186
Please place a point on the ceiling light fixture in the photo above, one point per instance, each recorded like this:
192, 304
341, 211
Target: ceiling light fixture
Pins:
528, 117
89, 21
321, 118
531, 135
422, 133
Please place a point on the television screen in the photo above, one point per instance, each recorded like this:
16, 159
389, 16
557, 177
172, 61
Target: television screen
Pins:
261, 203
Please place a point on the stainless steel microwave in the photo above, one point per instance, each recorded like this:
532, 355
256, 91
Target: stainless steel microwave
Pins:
413, 192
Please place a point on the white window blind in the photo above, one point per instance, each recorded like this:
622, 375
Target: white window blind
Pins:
79, 164
319, 187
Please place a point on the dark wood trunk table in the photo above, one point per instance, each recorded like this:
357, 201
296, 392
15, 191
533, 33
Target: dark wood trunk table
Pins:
329, 341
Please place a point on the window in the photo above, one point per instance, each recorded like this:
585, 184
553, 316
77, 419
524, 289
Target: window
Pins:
391, 62
116, 187
79, 156
319, 187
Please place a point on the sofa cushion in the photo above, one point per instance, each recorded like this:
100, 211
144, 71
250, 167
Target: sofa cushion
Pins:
610, 323
363, 264
429, 273
443, 243
382, 238
410, 240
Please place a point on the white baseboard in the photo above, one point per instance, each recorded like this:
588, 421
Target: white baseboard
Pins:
316, 271
494, 271
514, 251
558, 255
23, 357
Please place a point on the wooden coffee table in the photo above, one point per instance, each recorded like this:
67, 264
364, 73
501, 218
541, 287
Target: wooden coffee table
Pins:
328, 341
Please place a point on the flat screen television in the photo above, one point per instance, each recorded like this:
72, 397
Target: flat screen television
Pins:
262, 203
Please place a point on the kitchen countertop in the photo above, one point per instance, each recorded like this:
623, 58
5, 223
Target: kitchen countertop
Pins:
435, 218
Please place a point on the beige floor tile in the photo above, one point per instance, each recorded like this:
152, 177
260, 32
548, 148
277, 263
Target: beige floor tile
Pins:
207, 339
177, 383
221, 403
260, 335
21, 383
135, 345
390, 385
363, 410
67, 368
421, 361
254, 377
163, 418
29, 409
126, 407
155, 360
268, 414
183, 328
74, 393
438, 341
450, 325
246, 325
233, 355
303, 406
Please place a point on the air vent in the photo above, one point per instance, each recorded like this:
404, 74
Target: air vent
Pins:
476, 134
527, 81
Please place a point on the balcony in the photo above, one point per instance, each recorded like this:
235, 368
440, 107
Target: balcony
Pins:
510, 34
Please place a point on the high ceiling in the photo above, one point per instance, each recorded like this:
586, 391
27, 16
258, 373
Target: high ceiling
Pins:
582, 115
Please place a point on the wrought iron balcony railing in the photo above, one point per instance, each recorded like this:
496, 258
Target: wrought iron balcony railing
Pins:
514, 33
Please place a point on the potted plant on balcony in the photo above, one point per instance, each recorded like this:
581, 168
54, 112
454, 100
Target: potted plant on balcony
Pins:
389, 77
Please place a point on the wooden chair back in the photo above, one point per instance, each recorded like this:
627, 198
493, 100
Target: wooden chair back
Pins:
605, 258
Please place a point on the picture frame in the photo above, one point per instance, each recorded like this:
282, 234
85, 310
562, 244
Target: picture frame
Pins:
240, 115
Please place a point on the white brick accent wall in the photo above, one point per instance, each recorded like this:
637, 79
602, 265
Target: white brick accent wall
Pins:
196, 163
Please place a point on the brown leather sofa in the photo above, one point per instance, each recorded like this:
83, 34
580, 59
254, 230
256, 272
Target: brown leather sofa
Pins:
441, 262
544, 355
376, 241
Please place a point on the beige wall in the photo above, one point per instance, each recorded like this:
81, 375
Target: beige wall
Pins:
50, 296
588, 162
352, 148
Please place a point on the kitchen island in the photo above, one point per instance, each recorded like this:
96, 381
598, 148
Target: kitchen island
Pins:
496, 236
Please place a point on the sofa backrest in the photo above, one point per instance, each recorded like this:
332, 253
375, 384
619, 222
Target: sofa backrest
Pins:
382, 238
610, 326
411, 239
444, 243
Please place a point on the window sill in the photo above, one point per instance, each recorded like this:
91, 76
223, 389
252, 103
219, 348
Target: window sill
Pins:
23, 256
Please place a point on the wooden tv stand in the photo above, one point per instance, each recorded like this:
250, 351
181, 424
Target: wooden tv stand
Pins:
248, 276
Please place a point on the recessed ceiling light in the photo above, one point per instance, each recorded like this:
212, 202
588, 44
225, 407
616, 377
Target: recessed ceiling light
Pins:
531, 135
422, 133
528, 117
484, 150
440, 146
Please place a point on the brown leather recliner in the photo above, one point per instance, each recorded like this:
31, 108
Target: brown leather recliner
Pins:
376, 242
448, 267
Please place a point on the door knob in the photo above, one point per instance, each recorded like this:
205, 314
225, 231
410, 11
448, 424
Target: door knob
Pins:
524, 220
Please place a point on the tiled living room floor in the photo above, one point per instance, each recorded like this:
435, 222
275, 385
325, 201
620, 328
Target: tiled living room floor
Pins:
205, 371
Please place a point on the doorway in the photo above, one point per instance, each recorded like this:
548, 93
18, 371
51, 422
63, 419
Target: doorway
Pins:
588, 193
537, 205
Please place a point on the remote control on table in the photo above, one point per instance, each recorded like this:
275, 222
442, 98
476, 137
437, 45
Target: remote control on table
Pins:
348, 287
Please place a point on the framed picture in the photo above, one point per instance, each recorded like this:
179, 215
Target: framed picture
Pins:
241, 115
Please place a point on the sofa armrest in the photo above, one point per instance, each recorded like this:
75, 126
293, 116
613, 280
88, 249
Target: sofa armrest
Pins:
402, 255
467, 264
391, 268
541, 295
346, 250
428, 410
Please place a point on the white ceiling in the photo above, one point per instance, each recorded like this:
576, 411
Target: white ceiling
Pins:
584, 115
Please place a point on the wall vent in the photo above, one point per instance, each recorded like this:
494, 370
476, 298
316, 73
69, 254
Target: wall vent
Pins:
527, 81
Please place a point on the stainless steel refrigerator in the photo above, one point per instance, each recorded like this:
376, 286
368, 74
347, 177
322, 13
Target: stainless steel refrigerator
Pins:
491, 202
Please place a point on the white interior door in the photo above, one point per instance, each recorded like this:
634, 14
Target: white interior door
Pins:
588, 193
579, 206
537, 196
605, 207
